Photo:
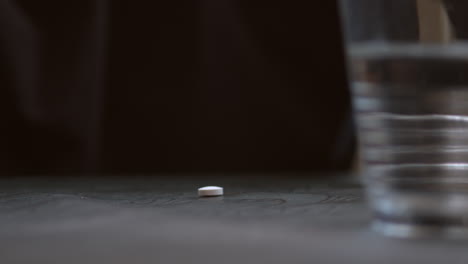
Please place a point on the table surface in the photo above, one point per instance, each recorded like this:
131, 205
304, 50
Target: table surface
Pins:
161, 220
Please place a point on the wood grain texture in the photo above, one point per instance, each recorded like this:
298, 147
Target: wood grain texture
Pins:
148, 220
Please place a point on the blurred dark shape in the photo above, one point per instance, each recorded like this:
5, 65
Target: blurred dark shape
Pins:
457, 15
168, 86
372, 18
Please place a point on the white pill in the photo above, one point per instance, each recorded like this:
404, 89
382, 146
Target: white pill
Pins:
210, 191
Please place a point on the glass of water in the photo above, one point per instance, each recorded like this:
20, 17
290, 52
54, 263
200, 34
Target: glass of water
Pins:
408, 70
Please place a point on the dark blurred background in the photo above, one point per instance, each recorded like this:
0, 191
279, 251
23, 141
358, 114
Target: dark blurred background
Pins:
96, 86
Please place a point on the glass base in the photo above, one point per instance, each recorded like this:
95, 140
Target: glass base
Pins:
419, 214
414, 231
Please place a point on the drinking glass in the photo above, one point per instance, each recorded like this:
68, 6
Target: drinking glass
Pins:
408, 71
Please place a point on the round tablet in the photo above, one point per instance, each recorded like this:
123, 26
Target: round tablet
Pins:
210, 191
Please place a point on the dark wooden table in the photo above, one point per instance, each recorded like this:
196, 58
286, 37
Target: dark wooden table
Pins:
161, 220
